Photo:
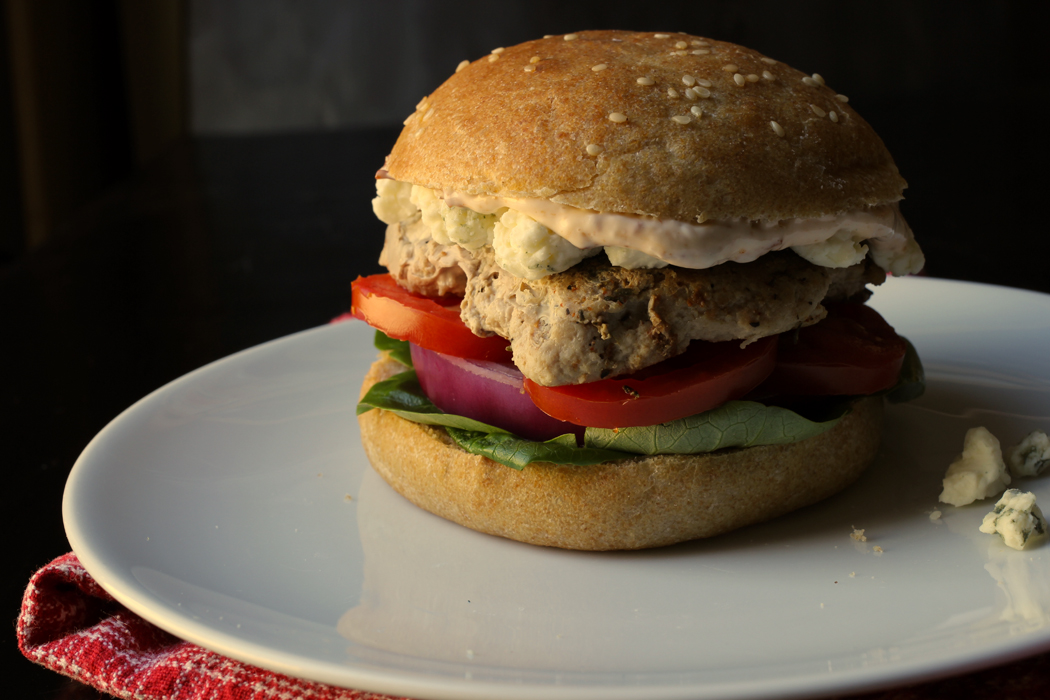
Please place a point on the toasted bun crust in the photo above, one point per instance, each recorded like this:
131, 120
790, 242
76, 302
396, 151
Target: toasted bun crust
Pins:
632, 504
498, 128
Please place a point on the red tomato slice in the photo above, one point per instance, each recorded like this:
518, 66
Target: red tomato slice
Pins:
381, 303
853, 351
703, 377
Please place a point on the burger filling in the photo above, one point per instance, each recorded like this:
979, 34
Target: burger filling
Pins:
601, 312
574, 315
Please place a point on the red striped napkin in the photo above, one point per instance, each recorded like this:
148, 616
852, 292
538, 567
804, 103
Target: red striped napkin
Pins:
70, 625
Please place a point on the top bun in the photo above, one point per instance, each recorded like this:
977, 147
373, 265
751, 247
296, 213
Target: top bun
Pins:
544, 119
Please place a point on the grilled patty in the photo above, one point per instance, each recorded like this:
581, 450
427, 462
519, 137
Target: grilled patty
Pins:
595, 320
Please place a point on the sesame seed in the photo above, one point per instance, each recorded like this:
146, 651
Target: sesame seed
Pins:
681, 45
700, 52
548, 36
699, 43
768, 60
777, 129
697, 111
498, 50
767, 75
645, 81
818, 111
730, 68
679, 53
617, 117
671, 92
841, 98
534, 59
810, 81
702, 92
493, 57
818, 78
422, 102
703, 83
599, 67
690, 93
662, 36
752, 78
833, 116
739, 79
682, 119
429, 113
530, 69
569, 37
689, 80
462, 65
594, 149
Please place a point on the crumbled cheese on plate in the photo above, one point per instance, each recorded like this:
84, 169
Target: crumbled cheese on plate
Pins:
1032, 456
979, 472
1017, 520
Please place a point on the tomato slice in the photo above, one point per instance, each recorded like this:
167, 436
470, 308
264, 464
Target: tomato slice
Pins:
853, 351
703, 377
381, 303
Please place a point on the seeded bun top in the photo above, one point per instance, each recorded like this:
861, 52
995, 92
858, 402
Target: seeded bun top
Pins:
665, 125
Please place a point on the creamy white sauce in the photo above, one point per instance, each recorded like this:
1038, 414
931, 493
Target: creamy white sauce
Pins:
712, 243
560, 236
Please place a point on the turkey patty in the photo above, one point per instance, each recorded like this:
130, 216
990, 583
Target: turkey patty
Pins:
596, 320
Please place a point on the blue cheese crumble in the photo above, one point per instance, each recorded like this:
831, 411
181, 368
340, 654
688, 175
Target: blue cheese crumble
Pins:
979, 472
1017, 520
1032, 456
526, 248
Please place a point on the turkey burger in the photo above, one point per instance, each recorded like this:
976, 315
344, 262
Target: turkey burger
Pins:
624, 305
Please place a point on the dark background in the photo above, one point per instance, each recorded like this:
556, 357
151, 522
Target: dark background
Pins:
146, 228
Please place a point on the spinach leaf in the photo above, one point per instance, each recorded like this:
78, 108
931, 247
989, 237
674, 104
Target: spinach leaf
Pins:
734, 424
912, 381
402, 395
516, 452
398, 349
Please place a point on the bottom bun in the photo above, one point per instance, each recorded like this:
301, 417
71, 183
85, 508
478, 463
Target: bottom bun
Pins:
632, 503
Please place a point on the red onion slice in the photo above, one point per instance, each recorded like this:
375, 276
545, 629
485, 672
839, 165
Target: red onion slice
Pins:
490, 392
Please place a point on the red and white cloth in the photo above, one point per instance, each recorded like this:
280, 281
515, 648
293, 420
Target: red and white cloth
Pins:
70, 625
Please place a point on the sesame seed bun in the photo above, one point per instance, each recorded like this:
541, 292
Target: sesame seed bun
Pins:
602, 121
630, 504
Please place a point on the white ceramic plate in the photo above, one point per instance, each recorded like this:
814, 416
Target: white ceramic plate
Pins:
235, 508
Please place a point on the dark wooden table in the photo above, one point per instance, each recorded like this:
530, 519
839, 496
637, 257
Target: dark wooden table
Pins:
224, 243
